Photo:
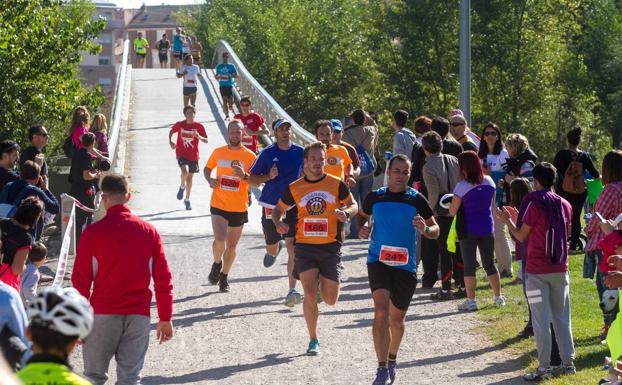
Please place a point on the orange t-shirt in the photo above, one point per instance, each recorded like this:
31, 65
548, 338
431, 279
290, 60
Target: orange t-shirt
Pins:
231, 194
316, 202
337, 161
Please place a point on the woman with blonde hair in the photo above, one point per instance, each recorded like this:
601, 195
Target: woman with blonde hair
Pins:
99, 127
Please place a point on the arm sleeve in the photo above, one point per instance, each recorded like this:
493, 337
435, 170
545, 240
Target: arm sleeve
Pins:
86, 163
347, 161
50, 202
201, 130
423, 207
212, 162
259, 165
82, 274
368, 203
589, 166
162, 280
431, 183
398, 144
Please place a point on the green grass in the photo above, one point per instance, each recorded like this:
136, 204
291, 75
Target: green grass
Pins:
502, 325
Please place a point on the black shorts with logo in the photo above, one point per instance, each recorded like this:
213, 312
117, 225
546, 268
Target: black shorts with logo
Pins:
326, 258
234, 219
193, 165
226, 91
400, 283
269, 230
163, 58
188, 91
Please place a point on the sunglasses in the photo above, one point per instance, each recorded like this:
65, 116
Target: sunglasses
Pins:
490, 133
456, 124
245, 105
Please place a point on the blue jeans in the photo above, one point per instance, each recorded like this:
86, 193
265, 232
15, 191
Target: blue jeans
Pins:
359, 192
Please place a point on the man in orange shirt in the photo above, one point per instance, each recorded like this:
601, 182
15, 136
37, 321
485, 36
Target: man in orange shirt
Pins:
338, 161
229, 203
324, 204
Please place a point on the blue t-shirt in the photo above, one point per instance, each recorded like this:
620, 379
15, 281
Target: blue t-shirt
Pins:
177, 44
289, 164
393, 235
12, 313
475, 217
228, 70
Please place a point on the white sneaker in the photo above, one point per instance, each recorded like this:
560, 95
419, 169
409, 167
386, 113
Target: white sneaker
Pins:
468, 305
500, 300
293, 298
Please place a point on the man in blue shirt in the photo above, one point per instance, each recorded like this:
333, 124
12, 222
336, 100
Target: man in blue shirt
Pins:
392, 262
178, 43
226, 74
277, 166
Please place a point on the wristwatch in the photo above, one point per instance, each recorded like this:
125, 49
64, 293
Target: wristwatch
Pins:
428, 230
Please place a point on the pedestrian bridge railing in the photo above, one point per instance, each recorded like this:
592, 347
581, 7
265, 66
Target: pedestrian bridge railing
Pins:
263, 102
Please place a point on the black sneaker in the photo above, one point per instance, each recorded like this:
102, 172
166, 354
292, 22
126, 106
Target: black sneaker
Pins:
442, 295
526, 332
460, 293
214, 274
223, 283
506, 274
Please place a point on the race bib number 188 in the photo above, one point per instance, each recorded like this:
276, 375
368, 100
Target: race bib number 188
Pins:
393, 256
230, 183
315, 227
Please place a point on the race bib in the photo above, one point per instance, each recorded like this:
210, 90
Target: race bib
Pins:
230, 183
247, 140
315, 227
190, 81
393, 256
268, 213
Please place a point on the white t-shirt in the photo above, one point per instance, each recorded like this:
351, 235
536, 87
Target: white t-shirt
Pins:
191, 78
495, 162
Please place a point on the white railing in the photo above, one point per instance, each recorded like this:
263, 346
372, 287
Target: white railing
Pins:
115, 118
263, 102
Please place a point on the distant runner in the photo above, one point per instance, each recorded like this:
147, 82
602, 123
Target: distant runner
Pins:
163, 46
140, 47
191, 74
226, 74
254, 124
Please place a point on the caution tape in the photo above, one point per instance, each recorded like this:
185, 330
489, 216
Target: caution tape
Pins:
64, 250
80, 205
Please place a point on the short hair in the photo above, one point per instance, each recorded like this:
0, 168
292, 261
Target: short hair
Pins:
115, 184
189, 107
29, 170
574, 136
358, 116
88, 138
35, 129
313, 146
28, 211
7, 147
322, 122
246, 99
47, 339
401, 118
519, 188
471, 167
517, 141
612, 167
38, 252
235, 122
432, 142
545, 173
422, 124
225, 54
400, 157
440, 125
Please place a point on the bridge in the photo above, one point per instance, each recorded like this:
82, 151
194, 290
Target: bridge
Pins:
248, 336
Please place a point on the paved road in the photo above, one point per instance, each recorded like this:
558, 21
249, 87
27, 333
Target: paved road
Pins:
248, 336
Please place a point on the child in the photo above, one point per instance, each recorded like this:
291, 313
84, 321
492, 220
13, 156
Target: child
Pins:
29, 279
59, 319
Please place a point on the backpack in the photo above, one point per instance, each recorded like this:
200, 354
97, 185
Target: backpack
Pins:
7, 209
68, 147
574, 179
366, 162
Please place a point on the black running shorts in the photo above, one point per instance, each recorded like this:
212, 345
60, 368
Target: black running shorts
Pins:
269, 230
163, 58
226, 92
326, 258
193, 165
234, 219
188, 91
400, 283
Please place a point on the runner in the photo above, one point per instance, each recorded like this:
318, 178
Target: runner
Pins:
140, 47
324, 204
186, 149
226, 74
338, 161
177, 46
163, 47
392, 262
254, 124
190, 72
229, 203
277, 166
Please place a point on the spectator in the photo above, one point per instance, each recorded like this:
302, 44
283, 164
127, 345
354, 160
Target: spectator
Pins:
99, 127
493, 156
440, 174
29, 279
520, 163
337, 136
572, 160
609, 205
473, 203
38, 137
13, 323
79, 126
362, 134
458, 128
119, 292
9, 154
547, 282
421, 124
31, 184
404, 140
17, 241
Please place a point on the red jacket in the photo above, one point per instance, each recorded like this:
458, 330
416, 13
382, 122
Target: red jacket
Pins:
119, 255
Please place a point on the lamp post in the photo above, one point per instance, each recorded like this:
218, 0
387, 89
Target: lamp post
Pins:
465, 59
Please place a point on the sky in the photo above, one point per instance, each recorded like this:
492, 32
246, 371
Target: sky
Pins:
139, 3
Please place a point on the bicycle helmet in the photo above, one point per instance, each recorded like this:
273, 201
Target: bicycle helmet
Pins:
63, 310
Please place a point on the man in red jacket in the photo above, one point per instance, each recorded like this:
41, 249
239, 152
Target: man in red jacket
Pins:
118, 256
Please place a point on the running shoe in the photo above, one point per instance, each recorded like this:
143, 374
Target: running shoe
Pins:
180, 193
314, 347
187, 203
268, 260
460, 293
468, 305
214, 275
382, 377
392, 371
506, 274
223, 284
500, 300
442, 295
293, 298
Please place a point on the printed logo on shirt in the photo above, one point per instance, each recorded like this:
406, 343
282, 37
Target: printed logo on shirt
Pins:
333, 160
275, 159
187, 137
224, 163
316, 206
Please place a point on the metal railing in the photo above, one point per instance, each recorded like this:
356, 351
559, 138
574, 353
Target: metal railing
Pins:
115, 118
263, 102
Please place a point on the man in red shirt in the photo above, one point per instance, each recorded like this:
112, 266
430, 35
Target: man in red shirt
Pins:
186, 149
118, 256
254, 124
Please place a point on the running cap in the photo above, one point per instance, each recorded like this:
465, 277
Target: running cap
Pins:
281, 122
337, 126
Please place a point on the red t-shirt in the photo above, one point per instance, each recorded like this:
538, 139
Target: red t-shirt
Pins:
252, 122
537, 260
187, 146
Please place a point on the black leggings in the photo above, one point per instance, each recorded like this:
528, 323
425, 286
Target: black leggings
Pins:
576, 201
486, 246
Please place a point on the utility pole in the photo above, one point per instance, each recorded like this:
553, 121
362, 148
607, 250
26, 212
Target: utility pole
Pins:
465, 59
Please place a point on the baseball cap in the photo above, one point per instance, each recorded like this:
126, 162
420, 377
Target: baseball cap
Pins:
337, 126
281, 122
